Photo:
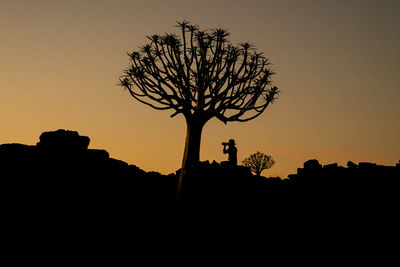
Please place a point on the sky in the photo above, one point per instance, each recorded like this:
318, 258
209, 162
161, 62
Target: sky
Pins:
337, 66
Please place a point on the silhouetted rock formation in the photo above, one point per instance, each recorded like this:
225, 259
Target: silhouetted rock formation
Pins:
351, 165
61, 175
62, 140
357, 191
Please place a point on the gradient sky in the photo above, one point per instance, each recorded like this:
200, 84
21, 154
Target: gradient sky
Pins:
337, 65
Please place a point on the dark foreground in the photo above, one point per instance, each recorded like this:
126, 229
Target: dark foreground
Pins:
61, 186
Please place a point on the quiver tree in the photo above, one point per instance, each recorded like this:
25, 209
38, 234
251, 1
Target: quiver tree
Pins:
200, 75
258, 162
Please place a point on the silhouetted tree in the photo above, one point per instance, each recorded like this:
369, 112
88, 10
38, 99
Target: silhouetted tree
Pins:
258, 162
200, 75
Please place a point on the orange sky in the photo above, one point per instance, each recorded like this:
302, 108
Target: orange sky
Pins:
337, 65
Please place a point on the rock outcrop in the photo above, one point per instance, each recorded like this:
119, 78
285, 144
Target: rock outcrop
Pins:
62, 175
63, 140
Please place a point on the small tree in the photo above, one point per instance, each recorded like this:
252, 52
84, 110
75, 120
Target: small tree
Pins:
259, 162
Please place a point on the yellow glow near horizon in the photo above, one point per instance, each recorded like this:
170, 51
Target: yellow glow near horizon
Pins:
337, 65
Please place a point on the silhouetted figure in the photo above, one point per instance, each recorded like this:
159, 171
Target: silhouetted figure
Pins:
231, 151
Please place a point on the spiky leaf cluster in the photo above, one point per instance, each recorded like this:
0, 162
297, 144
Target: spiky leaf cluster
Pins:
200, 74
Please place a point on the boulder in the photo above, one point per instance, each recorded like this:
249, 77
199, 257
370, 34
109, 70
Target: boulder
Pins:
15, 149
63, 140
366, 165
331, 166
17, 154
351, 165
312, 164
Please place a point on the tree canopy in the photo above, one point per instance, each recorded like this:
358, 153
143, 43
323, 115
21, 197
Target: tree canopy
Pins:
259, 162
200, 73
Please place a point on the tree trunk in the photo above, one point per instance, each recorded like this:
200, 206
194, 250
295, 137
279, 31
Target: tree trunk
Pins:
191, 155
